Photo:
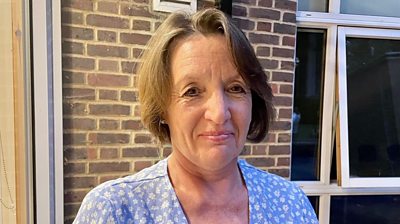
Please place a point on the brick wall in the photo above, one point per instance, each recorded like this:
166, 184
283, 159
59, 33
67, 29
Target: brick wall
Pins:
102, 42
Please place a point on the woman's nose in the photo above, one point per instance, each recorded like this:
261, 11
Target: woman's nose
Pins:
218, 108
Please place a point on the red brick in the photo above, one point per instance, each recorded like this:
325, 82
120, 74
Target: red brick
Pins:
140, 165
79, 182
72, 48
167, 151
108, 109
73, 77
263, 51
71, 210
281, 126
134, 38
107, 65
142, 138
78, 63
107, 21
261, 161
285, 113
107, 36
108, 167
282, 77
129, 96
286, 89
107, 51
287, 65
284, 161
106, 124
279, 150
107, 178
133, 10
109, 138
128, 67
284, 138
105, 94
247, 2
108, 153
77, 33
79, 123
286, 5
283, 52
289, 17
269, 64
92, 153
141, 25
259, 150
68, 17
109, 7
258, 38
265, 3
86, 5
239, 11
74, 108
136, 53
78, 94
132, 125
244, 24
74, 139
282, 101
262, 13
108, 80
246, 150
264, 26
74, 196
284, 29
140, 152
75, 153
289, 41
280, 172
74, 168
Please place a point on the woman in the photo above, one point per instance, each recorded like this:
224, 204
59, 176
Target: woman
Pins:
203, 91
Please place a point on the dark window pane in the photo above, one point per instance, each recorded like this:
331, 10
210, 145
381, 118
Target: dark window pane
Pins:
307, 104
314, 200
373, 91
313, 5
333, 175
377, 209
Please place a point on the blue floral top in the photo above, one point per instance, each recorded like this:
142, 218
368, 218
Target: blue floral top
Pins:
148, 197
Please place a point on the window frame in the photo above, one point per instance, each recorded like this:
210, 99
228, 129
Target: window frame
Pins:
343, 33
331, 20
171, 6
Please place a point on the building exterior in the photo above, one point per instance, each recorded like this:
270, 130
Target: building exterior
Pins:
333, 67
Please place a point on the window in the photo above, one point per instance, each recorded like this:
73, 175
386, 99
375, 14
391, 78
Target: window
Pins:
175, 5
345, 143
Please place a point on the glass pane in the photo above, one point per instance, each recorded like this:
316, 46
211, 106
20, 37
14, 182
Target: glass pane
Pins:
333, 175
382, 209
307, 104
389, 8
314, 200
373, 88
313, 5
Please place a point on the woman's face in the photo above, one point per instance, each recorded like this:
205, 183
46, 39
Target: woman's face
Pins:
210, 108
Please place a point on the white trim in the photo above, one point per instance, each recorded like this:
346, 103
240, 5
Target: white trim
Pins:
47, 110
57, 108
347, 180
348, 20
172, 6
324, 209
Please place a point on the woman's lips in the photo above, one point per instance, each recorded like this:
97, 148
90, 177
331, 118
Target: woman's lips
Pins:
217, 136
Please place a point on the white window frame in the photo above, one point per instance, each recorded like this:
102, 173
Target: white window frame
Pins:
47, 103
176, 5
343, 33
331, 21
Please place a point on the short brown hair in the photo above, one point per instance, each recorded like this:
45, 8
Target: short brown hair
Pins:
155, 78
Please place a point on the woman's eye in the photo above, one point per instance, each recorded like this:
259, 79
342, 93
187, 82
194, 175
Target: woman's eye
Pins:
237, 89
191, 92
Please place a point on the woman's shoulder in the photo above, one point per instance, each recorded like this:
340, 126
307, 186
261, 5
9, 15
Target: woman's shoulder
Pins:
146, 178
268, 181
